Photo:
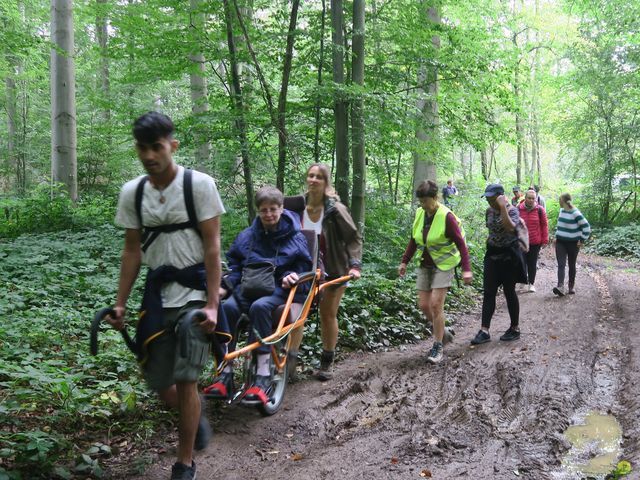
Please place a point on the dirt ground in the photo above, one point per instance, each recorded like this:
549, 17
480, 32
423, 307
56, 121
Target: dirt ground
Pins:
493, 411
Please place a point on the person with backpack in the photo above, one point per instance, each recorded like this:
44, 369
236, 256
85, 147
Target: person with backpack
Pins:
535, 218
572, 230
503, 262
439, 233
183, 257
448, 192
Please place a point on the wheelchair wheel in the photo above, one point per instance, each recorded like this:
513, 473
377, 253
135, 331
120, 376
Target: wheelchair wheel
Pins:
278, 389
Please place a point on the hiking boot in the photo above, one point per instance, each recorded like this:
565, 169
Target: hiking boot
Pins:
292, 363
481, 337
449, 334
260, 389
436, 354
222, 387
325, 372
559, 291
180, 471
532, 289
572, 291
510, 334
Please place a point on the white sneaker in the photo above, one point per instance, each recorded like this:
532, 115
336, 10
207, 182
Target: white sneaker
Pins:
532, 289
436, 353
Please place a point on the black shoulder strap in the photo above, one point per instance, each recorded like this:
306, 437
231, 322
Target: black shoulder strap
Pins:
138, 200
188, 198
149, 234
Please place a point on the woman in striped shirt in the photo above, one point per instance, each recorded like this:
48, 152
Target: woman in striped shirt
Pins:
571, 233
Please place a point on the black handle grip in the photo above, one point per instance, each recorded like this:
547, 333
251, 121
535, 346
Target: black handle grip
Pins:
95, 328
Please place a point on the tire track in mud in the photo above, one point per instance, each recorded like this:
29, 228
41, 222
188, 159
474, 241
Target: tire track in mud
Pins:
485, 412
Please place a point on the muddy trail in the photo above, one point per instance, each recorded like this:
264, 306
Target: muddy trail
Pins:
495, 411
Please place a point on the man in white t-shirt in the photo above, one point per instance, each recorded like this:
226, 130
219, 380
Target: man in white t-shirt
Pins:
184, 274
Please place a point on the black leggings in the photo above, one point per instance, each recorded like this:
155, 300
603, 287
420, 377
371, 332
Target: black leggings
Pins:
531, 258
500, 271
566, 250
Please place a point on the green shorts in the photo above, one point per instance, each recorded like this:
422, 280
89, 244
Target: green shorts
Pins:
431, 277
165, 366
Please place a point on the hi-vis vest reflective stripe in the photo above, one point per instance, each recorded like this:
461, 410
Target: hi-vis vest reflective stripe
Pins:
443, 251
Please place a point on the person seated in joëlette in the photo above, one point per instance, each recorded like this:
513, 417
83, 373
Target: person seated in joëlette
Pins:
273, 237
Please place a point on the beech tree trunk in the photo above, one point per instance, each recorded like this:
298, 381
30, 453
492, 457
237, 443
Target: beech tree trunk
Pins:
198, 84
12, 110
282, 99
427, 145
357, 116
340, 105
238, 108
63, 102
316, 140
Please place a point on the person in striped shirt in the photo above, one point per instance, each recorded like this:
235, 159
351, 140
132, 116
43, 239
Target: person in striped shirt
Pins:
572, 231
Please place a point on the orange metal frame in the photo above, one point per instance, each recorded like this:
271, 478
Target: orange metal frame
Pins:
282, 329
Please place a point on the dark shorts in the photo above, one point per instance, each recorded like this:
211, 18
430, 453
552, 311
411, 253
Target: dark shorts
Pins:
165, 366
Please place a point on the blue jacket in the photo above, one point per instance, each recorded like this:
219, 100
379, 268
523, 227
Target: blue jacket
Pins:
255, 244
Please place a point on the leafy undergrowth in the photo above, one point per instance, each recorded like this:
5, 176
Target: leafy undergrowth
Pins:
60, 408
623, 242
64, 413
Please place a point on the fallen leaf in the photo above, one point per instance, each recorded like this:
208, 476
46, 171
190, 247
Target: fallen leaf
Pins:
296, 456
553, 337
425, 473
394, 460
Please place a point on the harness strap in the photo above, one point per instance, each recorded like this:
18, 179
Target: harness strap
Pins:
149, 234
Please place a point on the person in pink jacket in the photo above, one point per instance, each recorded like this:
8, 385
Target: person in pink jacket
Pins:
536, 219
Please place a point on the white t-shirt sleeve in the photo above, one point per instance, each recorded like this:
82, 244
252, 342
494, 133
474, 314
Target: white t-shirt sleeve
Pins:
126, 216
206, 197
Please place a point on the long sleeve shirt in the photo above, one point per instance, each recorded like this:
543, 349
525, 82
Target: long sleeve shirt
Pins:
572, 226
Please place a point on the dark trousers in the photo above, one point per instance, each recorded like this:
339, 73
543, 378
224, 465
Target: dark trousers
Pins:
566, 250
531, 257
500, 268
259, 312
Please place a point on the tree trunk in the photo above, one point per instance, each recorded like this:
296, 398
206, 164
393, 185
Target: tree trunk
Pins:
316, 140
238, 108
102, 35
340, 105
357, 116
12, 110
427, 144
198, 84
483, 164
519, 127
282, 99
63, 103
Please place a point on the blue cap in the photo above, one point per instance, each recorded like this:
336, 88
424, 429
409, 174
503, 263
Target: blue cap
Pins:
493, 190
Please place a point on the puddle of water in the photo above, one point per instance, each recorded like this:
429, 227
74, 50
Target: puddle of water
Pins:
596, 445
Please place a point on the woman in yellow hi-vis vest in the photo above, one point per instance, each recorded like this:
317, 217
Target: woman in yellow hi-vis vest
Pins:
440, 235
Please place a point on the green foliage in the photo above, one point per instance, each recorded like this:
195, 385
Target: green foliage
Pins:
623, 242
51, 389
48, 209
622, 469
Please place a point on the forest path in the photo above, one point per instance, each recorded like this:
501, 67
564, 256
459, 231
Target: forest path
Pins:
493, 411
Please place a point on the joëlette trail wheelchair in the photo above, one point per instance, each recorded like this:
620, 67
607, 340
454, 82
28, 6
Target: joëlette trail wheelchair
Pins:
287, 318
